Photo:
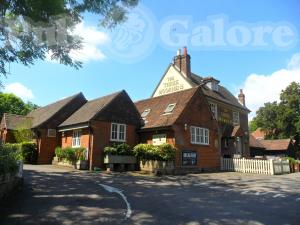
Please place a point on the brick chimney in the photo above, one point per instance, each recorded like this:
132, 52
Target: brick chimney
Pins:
183, 62
242, 97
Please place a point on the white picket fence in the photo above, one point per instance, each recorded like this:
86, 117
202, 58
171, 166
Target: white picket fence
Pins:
271, 166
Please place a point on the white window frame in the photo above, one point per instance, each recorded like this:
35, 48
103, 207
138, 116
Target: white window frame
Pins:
235, 118
76, 138
118, 132
145, 113
215, 111
49, 134
199, 135
170, 108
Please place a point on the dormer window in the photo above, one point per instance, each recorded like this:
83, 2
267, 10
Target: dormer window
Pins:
145, 113
212, 83
170, 108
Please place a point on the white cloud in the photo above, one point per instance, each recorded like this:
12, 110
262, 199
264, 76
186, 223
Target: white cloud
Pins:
259, 88
19, 90
92, 40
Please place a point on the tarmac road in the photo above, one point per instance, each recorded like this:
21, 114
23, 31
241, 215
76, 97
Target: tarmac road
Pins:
57, 195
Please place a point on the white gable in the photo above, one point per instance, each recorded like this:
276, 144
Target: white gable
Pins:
172, 81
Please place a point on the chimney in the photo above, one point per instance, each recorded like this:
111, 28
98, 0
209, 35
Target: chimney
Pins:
183, 62
242, 97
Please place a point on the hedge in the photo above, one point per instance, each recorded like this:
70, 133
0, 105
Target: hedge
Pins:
164, 152
26, 151
8, 161
71, 154
118, 149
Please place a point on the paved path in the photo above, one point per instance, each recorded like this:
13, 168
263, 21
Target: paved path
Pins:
54, 195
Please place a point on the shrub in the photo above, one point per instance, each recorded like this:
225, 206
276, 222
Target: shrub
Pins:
69, 154
29, 152
163, 152
167, 152
118, 149
26, 151
58, 152
80, 153
8, 161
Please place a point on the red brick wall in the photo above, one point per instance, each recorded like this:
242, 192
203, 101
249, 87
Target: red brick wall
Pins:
101, 139
197, 113
66, 139
46, 147
96, 138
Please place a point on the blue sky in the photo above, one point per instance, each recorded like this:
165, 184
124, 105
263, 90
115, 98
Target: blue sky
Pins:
104, 71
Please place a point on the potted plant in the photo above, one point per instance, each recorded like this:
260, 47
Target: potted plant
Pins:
156, 159
82, 162
120, 154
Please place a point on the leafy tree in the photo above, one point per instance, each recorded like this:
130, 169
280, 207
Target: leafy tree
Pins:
29, 29
267, 119
281, 120
9, 103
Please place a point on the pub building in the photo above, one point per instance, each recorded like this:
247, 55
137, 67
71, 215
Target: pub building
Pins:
230, 112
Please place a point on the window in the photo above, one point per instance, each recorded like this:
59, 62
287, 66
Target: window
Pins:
215, 86
214, 109
76, 138
159, 139
199, 135
118, 132
189, 158
170, 108
235, 118
146, 112
51, 133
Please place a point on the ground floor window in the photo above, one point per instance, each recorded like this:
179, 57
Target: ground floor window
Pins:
118, 132
76, 138
189, 158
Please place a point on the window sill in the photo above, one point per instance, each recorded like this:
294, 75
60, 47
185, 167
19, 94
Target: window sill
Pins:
117, 140
200, 144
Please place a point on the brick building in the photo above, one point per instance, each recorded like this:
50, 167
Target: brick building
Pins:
99, 123
184, 120
230, 112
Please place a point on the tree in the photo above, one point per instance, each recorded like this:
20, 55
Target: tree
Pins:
9, 103
281, 120
30, 29
267, 119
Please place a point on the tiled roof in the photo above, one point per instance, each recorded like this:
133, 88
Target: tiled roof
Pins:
222, 95
254, 143
89, 110
276, 145
13, 121
258, 134
157, 106
44, 114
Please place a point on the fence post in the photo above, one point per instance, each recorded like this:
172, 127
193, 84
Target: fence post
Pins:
271, 167
243, 164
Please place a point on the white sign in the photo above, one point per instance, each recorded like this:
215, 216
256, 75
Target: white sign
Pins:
159, 139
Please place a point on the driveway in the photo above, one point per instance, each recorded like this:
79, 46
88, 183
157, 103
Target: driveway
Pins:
53, 195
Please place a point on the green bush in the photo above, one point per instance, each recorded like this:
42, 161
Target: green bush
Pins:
8, 161
29, 152
58, 152
71, 154
163, 152
118, 149
80, 153
26, 151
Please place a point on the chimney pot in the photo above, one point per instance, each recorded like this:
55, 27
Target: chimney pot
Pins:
184, 51
242, 97
178, 52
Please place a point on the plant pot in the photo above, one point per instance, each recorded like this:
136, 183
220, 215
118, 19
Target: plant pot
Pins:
82, 165
155, 166
119, 159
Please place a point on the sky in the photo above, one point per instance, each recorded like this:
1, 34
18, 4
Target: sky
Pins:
252, 45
